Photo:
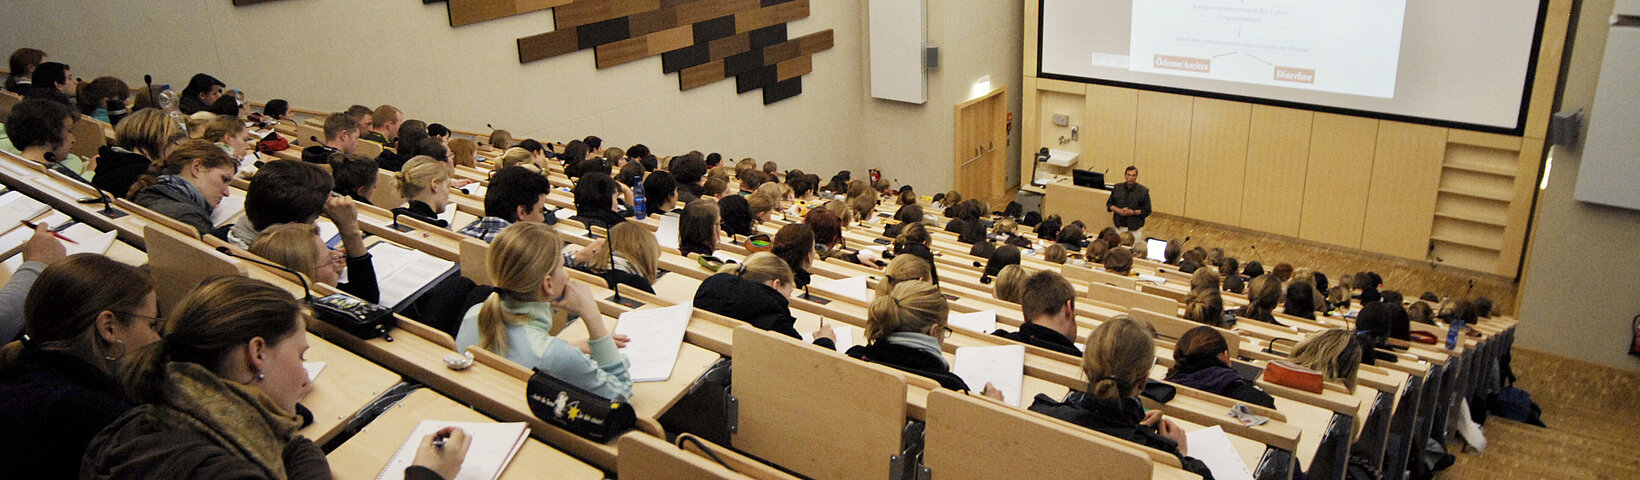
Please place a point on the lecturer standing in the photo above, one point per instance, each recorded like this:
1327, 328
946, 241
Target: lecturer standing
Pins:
1129, 204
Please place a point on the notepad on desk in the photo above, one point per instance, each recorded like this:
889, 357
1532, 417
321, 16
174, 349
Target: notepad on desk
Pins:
490, 448
667, 233
1001, 366
852, 287
402, 273
1152, 279
16, 207
88, 239
1212, 447
654, 337
227, 209
982, 321
847, 336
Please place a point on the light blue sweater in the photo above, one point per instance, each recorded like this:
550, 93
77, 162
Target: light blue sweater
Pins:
532, 345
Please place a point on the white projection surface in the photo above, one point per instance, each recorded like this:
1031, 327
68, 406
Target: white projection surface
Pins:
1459, 63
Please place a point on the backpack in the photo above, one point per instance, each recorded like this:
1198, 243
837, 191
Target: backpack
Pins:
1515, 404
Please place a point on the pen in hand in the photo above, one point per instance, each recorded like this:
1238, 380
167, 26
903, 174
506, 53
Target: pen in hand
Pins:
59, 236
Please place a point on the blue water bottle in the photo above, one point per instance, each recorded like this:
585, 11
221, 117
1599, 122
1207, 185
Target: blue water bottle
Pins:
638, 199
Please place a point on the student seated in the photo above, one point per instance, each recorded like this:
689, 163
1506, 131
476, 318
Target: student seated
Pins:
1263, 296
1336, 353
41, 250
424, 183
202, 91
905, 329
516, 321
298, 246
1120, 354
406, 147
341, 135
905, 215
736, 214
104, 99
660, 193
1056, 254
463, 152
1048, 304
139, 139
1234, 281
229, 134
1300, 301
59, 386
501, 139
188, 184
901, 269
1000, 258
757, 292
1201, 360
597, 201
54, 82
1204, 304
699, 229
1119, 261
633, 262
355, 176
1009, 284
283, 191
794, 244
384, 125
41, 131
219, 396
915, 241
516, 194
23, 62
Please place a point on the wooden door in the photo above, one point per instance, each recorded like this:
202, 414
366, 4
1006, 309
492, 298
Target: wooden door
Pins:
981, 145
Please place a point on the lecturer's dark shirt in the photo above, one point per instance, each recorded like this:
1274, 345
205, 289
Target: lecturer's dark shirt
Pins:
1136, 197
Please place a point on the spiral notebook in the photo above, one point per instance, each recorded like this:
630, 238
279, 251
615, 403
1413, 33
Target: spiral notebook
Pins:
492, 447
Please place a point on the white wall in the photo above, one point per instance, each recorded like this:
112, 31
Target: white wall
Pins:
328, 54
1578, 297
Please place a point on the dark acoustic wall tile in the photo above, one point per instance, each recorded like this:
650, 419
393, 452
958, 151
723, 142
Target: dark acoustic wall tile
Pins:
770, 3
756, 79
677, 60
714, 29
724, 47
607, 31
745, 62
766, 36
783, 90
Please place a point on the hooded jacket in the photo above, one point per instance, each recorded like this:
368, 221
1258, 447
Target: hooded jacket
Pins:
1221, 380
172, 199
117, 169
910, 360
1119, 419
57, 402
760, 305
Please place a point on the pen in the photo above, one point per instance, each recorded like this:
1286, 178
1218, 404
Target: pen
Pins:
60, 236
438, 440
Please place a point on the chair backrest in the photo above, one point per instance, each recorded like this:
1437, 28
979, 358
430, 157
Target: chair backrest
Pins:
964, 434
309, 135
8, 100
368, 149
386, 194
89, 135
644, 456
1172, 327
1130, 298
815, 412
1176, 295
1090, 275
475, 261
179, 264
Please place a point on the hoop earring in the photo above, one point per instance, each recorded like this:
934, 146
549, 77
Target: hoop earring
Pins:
116, 357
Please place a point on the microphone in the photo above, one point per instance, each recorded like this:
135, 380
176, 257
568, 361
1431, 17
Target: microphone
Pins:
609, 246
1255, 252
102, 197
362, 319
152, 101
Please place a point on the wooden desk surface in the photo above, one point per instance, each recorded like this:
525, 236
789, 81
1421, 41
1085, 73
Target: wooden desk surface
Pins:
346, 385
364, 455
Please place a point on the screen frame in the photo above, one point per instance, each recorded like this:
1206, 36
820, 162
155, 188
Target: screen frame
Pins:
1518, 130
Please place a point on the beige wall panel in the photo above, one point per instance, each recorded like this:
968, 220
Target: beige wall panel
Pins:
1108, 131
1335, 185
1278, 154
1218, 160
1520, 207
1406, 172
1052, 103
1163, 152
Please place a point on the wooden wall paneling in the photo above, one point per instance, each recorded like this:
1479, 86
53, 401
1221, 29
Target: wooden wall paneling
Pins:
1218, 160
466, 12
716, 70
1406, 172
1071, 105
1032, 11
1520, 207
1335, 183
587, 12
1108, 128
1030, 129
638, 48
1542, 101
1278, 154
1163, 152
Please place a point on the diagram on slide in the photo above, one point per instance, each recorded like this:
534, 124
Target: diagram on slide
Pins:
1342, 46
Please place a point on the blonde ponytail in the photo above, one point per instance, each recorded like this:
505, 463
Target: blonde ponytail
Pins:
912, 306
419, 173
523, 255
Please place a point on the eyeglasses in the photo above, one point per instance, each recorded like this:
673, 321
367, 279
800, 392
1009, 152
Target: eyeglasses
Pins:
945, 332
154, 323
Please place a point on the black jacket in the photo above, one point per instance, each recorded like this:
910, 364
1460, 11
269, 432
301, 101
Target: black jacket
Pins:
361, 279
117, 169
1033, 334
923, 252
909, 360
1223, 381
1120, 420
424, 212
168, 201
50, 407
1136, 197
391, 161
757, 304
601, 217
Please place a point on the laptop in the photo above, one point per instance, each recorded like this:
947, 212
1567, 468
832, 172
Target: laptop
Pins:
1156, 249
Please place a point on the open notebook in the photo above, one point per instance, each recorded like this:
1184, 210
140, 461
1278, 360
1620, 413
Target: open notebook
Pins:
403, 274
492, 447
1001, 366
655, 336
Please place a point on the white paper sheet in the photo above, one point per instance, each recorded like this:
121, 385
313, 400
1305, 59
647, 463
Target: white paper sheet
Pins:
89, 239
400, 272
847, 336
54, 218
476, 190
563, 213
449, 215
313, 369
1002, 366
655, 336
226, 210
667, 233
328, 231
1212, 447
1152, 279
491, 448
852, 287
982, 321
16, 207
15, 238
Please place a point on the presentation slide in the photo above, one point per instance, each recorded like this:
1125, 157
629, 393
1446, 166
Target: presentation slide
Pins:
1458, 63
1343, 46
